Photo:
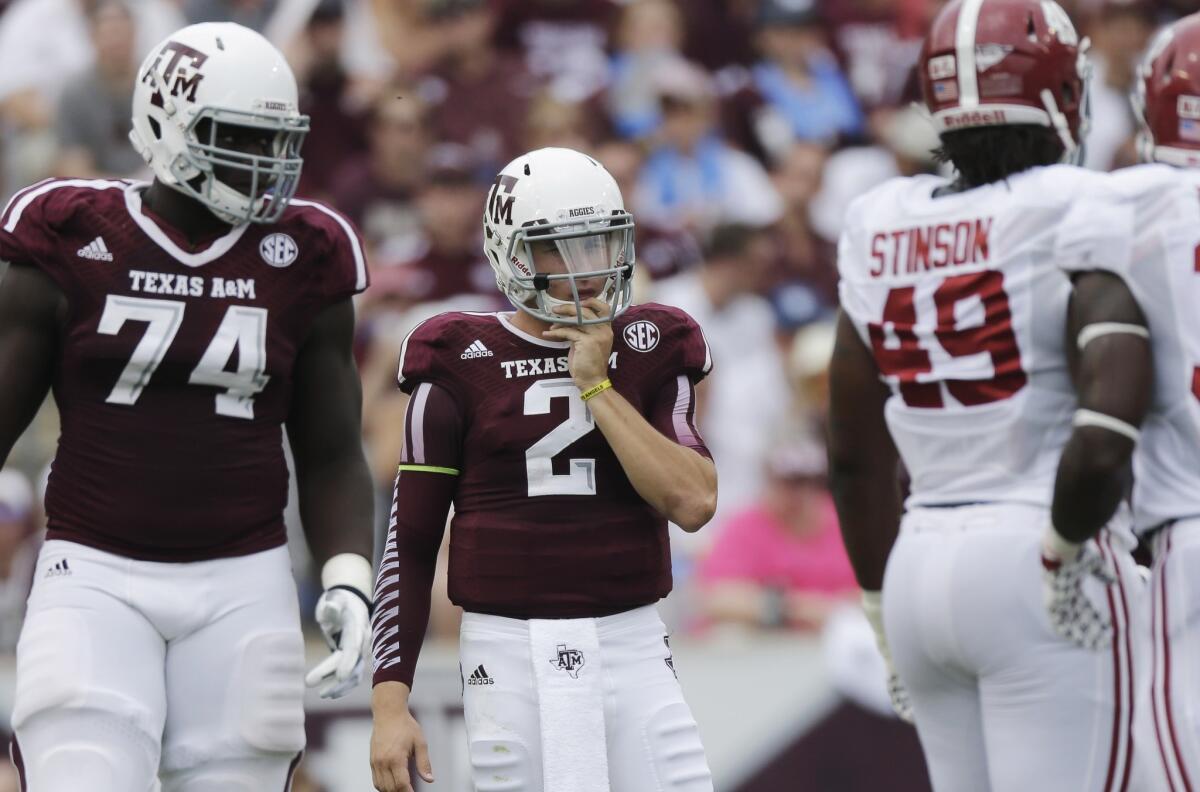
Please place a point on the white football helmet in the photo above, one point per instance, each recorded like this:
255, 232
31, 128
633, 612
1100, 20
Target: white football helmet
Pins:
562, 196
205, 76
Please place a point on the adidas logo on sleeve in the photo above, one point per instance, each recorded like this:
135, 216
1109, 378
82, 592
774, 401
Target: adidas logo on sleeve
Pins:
476, 350
95, 250
480, 677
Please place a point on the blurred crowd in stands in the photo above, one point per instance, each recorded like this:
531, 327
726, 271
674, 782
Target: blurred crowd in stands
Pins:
738, 130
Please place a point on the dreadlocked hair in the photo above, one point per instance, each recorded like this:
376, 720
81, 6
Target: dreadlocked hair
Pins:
983, 155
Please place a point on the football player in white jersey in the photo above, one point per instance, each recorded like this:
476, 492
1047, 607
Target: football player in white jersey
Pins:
1164, 276
1009, 635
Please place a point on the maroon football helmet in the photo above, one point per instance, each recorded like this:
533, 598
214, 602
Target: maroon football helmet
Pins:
1003, 62
1166, 96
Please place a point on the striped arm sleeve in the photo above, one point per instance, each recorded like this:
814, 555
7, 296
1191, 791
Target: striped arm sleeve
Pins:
674, 414
424, 489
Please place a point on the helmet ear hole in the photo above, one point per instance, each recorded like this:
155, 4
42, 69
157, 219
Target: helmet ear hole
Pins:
155, 127
1031, 28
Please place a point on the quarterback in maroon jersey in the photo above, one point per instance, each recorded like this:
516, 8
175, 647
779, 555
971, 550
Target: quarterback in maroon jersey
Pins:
183, 325
563, 435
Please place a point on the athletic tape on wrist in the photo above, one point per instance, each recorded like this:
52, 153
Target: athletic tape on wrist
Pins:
1093, 331
1102, 421
349, 571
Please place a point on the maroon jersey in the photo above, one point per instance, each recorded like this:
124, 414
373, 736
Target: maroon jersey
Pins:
175, 365
546, 523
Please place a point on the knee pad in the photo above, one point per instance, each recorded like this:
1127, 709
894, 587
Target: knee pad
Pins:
504, 766
271, 692
262, 774
67, 749
674, 742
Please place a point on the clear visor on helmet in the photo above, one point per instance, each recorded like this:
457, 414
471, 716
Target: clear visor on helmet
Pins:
257, 157
571, 264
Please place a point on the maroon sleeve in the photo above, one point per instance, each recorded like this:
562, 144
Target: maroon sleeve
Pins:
695, 357
424, 353
425, 487
688, 348
343, 270
25, 232
674, 414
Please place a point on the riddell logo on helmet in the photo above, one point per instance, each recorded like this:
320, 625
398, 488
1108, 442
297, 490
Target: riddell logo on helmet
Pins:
973, 118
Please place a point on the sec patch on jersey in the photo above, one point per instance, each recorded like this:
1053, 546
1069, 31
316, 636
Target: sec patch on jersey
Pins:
642, 335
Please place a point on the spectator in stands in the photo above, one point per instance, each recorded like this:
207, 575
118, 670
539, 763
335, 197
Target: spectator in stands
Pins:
563, 43
93, 113
378, 189
650, 35
448, 260
808, 358
1120, 33
877, 42
745, 401
780, 561
796, 174
335, 105
44, 44
478, 95
553, 122
19, 543
805, 95
692, 177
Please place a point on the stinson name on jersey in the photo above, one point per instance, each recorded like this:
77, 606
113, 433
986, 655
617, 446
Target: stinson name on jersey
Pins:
925, 248
191, 286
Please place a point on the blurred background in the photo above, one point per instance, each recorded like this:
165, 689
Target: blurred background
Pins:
738, 130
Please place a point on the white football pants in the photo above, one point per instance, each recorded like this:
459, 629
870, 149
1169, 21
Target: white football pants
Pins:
1001, 702
652, 742
126, 669
1175, 653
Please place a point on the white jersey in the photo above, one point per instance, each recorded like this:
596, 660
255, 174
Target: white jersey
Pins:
960, 301
1163, 273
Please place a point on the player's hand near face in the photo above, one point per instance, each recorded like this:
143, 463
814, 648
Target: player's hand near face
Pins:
591, 345
395, 740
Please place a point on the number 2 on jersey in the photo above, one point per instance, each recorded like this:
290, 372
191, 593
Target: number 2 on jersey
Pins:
995, 337
580, 479
243, 329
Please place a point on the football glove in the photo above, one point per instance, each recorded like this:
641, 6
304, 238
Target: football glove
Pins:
344, 615
1066, 567
872, 605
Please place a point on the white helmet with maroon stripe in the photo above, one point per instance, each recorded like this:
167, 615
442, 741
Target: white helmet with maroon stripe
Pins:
1007, 62
197, 86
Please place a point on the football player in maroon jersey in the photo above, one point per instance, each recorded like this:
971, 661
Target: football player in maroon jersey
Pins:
563, 435
182, 326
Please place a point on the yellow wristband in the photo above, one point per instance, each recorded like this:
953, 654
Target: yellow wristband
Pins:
592, 391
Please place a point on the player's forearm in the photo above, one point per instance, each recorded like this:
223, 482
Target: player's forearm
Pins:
678, 482
337, 505
868, 508
1093, 477
1114, 376
402, 589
